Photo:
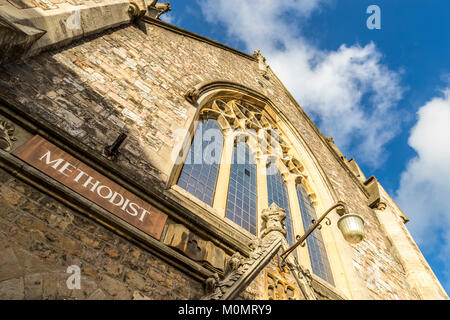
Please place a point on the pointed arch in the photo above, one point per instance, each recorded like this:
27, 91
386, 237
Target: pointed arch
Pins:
297, 161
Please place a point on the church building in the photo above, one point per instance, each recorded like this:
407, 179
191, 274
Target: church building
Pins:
139, 160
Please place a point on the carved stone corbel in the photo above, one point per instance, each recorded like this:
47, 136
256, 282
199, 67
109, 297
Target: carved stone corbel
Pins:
211, 286
135, 12
6, 135
192, 95
239, 271
381, 206
233, 263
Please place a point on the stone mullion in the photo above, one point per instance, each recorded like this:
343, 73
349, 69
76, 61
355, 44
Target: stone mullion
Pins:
223, 177
261, 186
296, 219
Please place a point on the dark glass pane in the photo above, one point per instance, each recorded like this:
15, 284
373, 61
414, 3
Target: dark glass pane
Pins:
199, 173
316, 248
241, 202
277, 193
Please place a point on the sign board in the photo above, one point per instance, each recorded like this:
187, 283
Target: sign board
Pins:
92, 185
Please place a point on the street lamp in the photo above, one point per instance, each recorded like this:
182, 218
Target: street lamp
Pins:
350, 224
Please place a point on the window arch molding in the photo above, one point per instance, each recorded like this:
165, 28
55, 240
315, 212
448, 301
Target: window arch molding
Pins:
205, 92
222, 101
300, 162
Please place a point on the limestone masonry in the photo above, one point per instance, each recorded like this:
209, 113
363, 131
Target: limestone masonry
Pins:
122, 93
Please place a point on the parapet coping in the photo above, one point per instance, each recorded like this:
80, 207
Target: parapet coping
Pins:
196, 36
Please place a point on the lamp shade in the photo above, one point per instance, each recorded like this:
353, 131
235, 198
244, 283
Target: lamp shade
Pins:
352, 227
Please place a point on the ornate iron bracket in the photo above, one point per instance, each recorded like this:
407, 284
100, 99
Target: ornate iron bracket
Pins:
342, 209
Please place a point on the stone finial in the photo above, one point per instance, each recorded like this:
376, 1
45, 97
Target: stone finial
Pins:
262, 65
273, 220
257, 54
6, 135
155, 9
329, 139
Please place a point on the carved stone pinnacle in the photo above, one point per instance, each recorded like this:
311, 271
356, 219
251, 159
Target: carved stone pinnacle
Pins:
273, 220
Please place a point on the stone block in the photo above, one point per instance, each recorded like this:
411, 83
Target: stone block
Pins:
9, 265
12, 289
182, 239
86, 239
112, 268
135, 280
115, 288
33, 286
97, 295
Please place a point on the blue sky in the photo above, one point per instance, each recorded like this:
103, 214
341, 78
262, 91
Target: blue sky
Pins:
388, 90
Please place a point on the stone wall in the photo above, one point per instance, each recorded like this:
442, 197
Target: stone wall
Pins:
40, 238
133, 79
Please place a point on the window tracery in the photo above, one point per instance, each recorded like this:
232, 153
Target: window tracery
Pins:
264, 145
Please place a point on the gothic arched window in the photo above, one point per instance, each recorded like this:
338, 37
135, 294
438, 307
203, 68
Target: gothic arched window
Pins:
200, 169
277, 192
241, 201
316, 248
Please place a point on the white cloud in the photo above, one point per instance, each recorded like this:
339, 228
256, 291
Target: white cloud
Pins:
348, 91
424, 191
168, 17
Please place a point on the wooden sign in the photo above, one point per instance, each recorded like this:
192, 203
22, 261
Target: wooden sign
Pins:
87, 182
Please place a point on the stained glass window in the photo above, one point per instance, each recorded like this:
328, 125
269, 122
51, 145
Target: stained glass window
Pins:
200, 169
277, 193
241, 202
316, 248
